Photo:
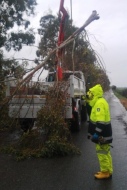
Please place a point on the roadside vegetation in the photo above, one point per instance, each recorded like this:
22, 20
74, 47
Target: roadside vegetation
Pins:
121, 94
52, 136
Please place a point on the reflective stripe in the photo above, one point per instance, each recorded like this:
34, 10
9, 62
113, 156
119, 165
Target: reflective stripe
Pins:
92, 122
102, 152
108, 138
98, 129
103, 122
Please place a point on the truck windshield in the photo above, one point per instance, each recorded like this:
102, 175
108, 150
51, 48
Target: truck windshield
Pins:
66, 76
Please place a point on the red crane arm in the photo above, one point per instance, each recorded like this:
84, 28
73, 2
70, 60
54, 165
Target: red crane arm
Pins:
62, 24
61, 38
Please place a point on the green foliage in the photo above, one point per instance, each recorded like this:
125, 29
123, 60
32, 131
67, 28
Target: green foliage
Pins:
57, 146
95, 75
29, 144
12, 13
124, 92
17, 39
51, 120
113, 87
118, 95
5, 121
7, 67
49, 31
52, 136
121, 92
84, 57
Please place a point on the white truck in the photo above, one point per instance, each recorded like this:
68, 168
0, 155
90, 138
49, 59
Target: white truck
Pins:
25, 106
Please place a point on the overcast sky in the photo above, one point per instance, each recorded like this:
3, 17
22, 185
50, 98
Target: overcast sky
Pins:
108, 35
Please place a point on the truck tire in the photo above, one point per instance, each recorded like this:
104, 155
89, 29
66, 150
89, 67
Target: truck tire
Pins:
84, 113
26, 124
76, 121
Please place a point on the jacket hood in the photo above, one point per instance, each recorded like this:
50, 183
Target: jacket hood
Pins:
97, 91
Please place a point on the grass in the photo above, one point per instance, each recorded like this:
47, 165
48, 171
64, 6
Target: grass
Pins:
119, 95
122, 99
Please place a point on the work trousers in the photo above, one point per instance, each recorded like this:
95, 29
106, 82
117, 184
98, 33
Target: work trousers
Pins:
104, 157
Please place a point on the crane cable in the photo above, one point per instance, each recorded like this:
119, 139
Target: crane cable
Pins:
73, 60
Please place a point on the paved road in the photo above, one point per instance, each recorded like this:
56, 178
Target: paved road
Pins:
70, 173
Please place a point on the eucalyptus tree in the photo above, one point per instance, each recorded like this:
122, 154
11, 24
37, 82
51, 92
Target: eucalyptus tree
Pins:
12, 13
49, 32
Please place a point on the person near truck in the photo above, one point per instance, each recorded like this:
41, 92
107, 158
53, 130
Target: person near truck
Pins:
100, 131
88, 107
85, 99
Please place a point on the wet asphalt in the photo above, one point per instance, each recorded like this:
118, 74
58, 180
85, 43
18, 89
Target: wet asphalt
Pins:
73, 172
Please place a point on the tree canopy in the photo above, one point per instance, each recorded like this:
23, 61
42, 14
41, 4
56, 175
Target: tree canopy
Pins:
12, 13
77, 55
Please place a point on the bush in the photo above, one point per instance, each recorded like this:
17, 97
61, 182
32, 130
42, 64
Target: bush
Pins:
113, 87
124, 92
51, 120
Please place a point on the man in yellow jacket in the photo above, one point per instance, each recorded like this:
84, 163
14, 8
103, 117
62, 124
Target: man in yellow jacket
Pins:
100, 131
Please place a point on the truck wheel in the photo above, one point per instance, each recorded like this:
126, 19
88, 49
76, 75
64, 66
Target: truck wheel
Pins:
84, 113
26, 124
76, 121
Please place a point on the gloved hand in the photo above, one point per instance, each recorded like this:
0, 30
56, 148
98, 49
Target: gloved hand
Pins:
95, 136
102, 140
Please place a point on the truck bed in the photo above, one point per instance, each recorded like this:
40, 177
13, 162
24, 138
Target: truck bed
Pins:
27, 101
